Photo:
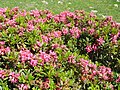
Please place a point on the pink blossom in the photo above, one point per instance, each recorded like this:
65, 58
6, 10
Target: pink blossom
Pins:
94, 72
7, 49
113, 24
15, 10
112, 87
105, 23
68, 24
109, 18
63, 17
46, 84
4, 50
30, 28
33, 62
94, 47
84, 29
44, 20
56, 18
3, 10
2, 74
92, 66
53, 55
23, 87
57, 34
92, 15
11, 22
84, 62
25, 55
75, 32
23, 13
39, 43
55, 46
44, 56
14, 77
45, 39
35, 13
71, 59
2, 42
88, 48
90, 22
63, 47
30, 22
49, 15
91, 31
100, 41
1, 26
65, 31
21, 31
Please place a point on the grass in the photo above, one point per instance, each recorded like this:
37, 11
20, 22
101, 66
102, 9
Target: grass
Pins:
104, 7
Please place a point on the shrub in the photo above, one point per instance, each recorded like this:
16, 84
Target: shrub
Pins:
70, 50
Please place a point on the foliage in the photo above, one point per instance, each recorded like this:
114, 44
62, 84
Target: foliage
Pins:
70, 50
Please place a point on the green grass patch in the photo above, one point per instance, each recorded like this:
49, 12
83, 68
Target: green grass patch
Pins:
103, 7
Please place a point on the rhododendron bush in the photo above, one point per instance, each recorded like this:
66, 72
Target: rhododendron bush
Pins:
68, 51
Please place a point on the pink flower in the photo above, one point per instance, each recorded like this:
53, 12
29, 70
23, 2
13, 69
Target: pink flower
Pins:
21, 31
105, 23
33, 62
84, 29
91, 31
94, 47
83, 62
100, 41
7, 49
57, 18
63, 17
2, 42
4, 50
92, 15
65, 31
68, 24
11, 22
88, 48
2, 74
109, 18
57, 34
13, 77
44, 56
46, 84
75, 32
49, 15
23, 13
90, 22
53, 55
3, 10
35, 13
113, 24
25, 55
45, 39
39, 44
114, 38
71, 59
112, 87
30, 28
55, 46
23, 87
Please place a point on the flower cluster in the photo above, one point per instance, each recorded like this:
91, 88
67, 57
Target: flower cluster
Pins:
14, 77
70, 50
26, 55
3, 50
